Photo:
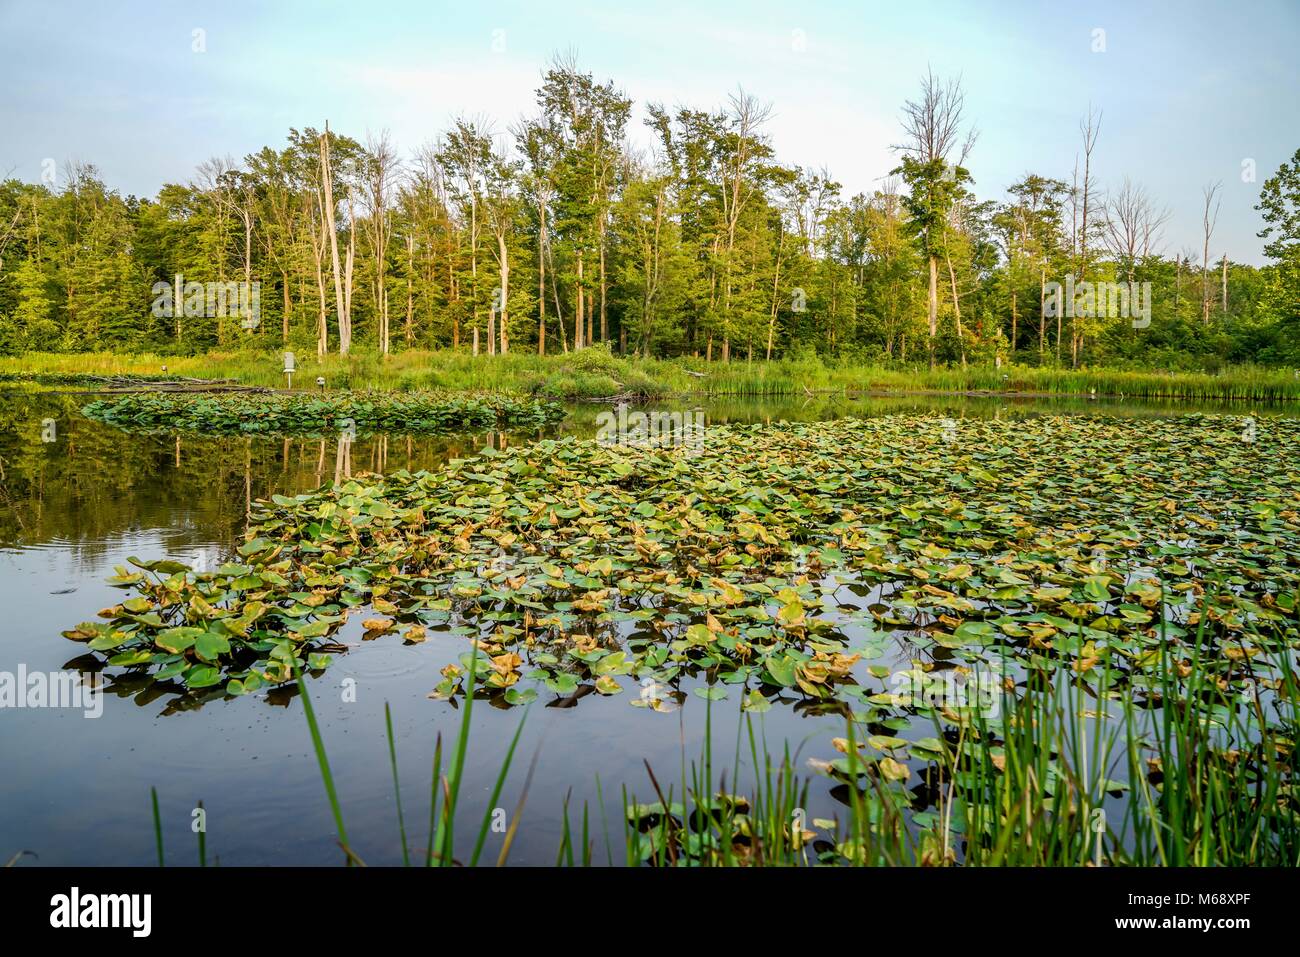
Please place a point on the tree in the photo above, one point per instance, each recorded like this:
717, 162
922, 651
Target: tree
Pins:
1279, 206
380, 171
1131, 226
1040, 201
1083, 224
587, 122
704, 245
1209, 218
465, 155
539, 145
342, 304
933, 127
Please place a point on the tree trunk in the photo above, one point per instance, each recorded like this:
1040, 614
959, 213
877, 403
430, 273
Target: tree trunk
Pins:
541, 285
348, 264
1042, 311
1225, 284
776, 279
455, 297
933, 304
327, 181
604, 327
559, 312
579, 323
473, 262
410, 290
956, 310
504, 255
322, 319
1013, 323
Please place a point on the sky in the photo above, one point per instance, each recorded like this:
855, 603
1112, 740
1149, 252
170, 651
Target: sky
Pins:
1189, 93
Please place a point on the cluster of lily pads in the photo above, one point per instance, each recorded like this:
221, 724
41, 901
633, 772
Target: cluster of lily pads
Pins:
867, 568
302, 412
816, 562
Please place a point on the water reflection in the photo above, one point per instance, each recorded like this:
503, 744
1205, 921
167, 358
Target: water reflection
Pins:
85, 485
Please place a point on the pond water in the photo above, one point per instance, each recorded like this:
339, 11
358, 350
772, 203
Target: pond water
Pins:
78, 498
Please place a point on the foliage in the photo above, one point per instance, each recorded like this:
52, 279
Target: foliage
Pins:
708, 248
288, 413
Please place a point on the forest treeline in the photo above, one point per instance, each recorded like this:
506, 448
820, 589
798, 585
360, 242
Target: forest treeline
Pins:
554, 234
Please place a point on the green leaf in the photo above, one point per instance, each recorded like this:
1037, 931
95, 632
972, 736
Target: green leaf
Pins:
209, 646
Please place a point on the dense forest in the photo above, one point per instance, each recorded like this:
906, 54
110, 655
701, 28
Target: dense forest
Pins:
555, 234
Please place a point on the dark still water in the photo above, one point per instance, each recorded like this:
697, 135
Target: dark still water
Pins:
78, 498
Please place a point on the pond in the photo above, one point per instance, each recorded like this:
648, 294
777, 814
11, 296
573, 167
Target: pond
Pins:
79, 499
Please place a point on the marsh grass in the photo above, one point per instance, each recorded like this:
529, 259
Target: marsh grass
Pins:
597, 373
1226, 795
157, 826
440, 849
1185, 778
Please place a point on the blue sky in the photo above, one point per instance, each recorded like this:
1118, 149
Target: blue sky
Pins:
1188, 91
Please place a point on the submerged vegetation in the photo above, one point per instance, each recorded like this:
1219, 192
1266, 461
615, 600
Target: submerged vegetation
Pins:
287, 413
1056, 610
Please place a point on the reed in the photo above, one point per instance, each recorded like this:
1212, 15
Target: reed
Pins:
597, 373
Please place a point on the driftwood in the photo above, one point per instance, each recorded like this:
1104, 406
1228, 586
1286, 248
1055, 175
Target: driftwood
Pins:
111, 389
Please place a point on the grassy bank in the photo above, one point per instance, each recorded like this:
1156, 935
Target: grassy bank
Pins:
595, 373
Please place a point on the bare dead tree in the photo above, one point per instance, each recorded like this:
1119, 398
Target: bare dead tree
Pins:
1209, 218
933, 127
499, 208
1083, 218
341, 303
1131, 225
314, 216
747, 116
933, 123
381, 176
